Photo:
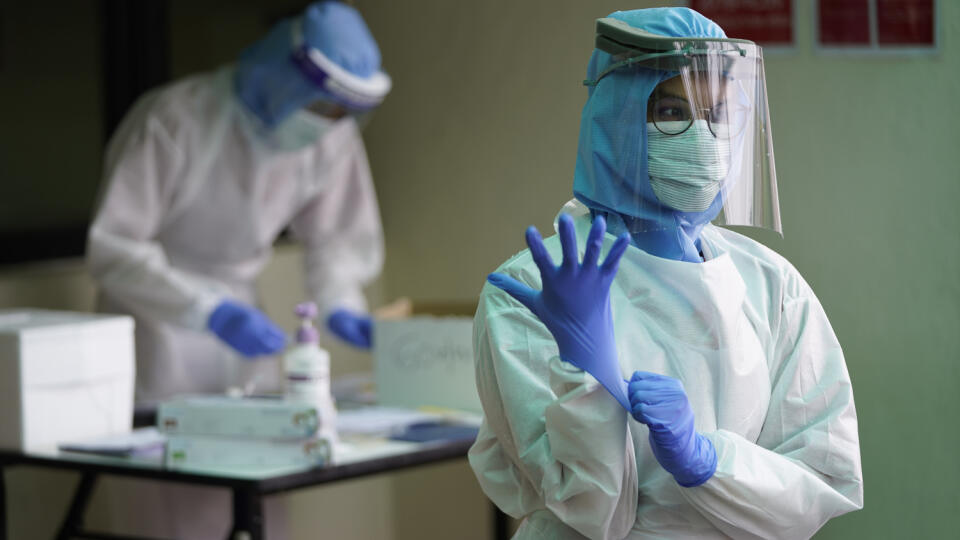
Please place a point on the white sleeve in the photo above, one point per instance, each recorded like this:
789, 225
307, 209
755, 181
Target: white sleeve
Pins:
553, 437
805, 466
142, 169
341, 232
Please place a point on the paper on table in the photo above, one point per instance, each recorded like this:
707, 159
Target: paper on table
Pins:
138, 441
380, 420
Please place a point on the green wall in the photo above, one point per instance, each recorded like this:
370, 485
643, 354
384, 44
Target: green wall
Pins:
865, 157
478, 140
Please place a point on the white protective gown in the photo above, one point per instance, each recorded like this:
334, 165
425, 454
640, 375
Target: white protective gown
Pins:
195, 197
765, 377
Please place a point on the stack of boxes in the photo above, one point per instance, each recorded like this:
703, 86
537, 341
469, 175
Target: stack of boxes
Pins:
223, 432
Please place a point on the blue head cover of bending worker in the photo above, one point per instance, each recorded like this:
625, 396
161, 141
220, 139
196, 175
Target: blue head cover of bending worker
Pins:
611, 173
273, 85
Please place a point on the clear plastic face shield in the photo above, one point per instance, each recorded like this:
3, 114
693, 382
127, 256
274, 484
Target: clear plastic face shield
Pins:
699, 147
335, 111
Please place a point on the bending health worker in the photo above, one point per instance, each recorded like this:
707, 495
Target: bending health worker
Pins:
204, 174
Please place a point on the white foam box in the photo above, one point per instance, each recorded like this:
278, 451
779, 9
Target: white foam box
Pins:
425, 361
64, 376
237, 417
199, 452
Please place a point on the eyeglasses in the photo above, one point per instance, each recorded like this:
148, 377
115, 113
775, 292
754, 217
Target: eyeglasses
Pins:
673, 115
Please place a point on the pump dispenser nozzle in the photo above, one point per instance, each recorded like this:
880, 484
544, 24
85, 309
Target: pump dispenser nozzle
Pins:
307, 332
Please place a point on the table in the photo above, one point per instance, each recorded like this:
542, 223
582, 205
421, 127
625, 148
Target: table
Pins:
248, 487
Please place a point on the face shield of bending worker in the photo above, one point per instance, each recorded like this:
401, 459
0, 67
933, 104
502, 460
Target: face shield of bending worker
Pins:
204, 174
645, 373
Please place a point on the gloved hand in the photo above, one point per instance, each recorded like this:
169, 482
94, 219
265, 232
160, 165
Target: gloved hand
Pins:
246, 329
660, 402
574, 304
354, 328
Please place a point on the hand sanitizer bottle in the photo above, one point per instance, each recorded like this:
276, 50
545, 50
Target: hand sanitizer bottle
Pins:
307, 373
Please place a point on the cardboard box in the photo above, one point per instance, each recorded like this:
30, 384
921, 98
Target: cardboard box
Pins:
426, 361
64, 376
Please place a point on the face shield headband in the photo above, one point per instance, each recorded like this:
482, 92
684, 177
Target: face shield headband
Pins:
355, 93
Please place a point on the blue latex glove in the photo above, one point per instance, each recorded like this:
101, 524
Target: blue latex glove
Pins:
354, 328
574, 304
246, 329
660, 402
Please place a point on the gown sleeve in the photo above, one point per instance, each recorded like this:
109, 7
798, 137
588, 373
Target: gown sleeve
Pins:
341, 231
805, 465
553, 439
142, 169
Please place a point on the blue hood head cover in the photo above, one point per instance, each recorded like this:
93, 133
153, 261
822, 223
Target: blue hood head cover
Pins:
273, 85
611, 172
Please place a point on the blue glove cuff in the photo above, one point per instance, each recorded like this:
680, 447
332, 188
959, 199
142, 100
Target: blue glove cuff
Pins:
354, 328
706, 457
220, 316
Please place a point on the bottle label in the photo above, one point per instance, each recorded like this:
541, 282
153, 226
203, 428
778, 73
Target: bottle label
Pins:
310, 390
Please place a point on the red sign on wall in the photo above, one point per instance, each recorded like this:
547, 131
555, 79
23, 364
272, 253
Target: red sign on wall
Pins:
765, 22
905, 22
844, 22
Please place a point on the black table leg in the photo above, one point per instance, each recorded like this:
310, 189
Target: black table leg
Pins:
247, 515
3, 503
499, 524
73, 523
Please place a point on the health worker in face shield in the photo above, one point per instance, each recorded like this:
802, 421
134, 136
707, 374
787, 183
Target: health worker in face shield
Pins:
204, 174
644, 373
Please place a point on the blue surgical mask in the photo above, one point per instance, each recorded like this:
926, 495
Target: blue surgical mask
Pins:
299, 130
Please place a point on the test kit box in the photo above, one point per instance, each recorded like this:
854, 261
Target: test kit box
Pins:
426, 361
237, 417
64, 376
201, 452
